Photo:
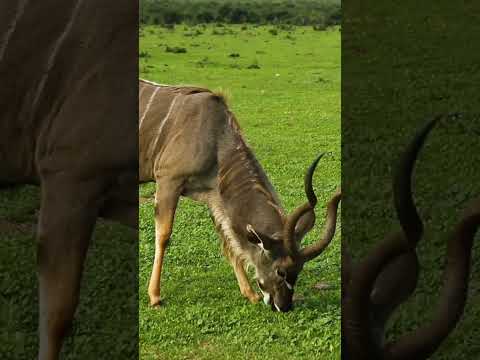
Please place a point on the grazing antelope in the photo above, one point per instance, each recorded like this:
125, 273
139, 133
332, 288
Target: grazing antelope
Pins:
191, 145
68, 123
375, 287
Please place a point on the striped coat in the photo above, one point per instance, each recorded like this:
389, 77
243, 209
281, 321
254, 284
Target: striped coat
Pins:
68, 122
191, 145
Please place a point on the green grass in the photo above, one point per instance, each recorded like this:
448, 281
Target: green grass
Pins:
400, 68
105, 326
289, 109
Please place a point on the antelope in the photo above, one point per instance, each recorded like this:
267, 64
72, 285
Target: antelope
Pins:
67, 114
191, 145
387, 277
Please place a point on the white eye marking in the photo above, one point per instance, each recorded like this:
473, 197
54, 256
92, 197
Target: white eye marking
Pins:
252, 230
290, 287
276, 307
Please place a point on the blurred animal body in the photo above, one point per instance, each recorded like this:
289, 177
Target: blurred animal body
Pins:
68, 123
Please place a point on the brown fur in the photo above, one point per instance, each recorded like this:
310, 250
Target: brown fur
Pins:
67, 116
191, 142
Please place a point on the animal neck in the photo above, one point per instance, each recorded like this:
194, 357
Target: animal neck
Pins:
245, 196
234, 244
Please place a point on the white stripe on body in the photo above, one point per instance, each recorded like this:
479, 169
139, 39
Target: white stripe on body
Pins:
13, 25
141, 92
54, 53
147, 108
162, 124
152, 83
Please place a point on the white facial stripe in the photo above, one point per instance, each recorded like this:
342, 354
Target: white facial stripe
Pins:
266, 297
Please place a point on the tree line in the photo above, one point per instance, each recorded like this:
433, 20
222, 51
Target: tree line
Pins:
295, 12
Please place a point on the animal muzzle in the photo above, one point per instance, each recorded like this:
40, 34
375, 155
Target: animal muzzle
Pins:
284, 308
282, 303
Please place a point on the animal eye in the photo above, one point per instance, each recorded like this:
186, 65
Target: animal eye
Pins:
281, 273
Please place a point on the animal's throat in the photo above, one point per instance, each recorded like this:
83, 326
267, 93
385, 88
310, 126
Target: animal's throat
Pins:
232, 244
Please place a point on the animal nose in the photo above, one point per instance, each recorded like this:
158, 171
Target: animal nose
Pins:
283, 308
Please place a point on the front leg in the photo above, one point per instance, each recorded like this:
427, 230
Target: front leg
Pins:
67, 216
238, 265
243, 282
166, 199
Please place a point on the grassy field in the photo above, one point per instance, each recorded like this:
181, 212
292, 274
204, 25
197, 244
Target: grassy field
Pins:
105, 326
397, 73
284, 87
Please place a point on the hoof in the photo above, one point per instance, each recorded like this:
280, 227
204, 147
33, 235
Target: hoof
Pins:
155, 301
254, 298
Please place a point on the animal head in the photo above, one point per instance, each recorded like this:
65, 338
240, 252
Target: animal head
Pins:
279, 258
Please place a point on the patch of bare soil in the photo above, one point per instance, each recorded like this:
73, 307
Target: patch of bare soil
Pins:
143, 199
323, 286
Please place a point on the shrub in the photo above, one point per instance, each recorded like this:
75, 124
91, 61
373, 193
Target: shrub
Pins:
320, 27
278, 12
205, 62
193, 33
254, 65
286, 27
175, 50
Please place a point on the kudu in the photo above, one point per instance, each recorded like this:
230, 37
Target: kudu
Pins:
191, 145
68, 122
373, 288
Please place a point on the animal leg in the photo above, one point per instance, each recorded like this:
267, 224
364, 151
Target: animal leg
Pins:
166, 199
243, 282
67, 216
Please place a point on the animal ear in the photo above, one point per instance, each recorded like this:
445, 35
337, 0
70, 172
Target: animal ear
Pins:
263, 241
304, 225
